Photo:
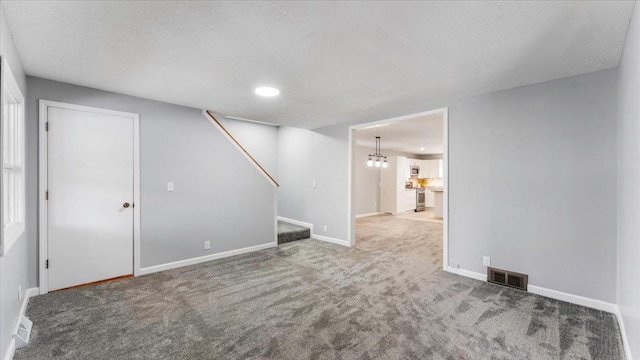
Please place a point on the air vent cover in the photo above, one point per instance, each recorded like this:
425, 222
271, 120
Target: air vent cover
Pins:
507, 278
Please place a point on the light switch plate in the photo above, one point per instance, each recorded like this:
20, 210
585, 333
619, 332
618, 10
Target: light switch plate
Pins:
170, 186
486, 261
207, 245
313, 184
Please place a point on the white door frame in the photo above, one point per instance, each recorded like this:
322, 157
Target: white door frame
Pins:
43, 166
445, 184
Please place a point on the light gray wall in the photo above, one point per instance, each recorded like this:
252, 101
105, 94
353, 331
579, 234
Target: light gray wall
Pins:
367, 190
629, 186
14, 267
260, 140
216, 189
305, 156
541, 200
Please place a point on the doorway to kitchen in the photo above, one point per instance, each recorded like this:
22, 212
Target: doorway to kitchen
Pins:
398, 175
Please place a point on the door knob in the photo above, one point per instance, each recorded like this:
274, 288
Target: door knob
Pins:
125, 205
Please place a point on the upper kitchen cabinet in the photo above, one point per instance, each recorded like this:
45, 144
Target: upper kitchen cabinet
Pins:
435, 169
425, 170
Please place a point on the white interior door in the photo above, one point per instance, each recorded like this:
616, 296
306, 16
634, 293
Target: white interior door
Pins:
90, 187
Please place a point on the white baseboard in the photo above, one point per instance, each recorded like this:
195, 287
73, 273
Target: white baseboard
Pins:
331, 240
296, 222
314, 235
575, 299
467, 273
554, 294
368, 214
623, 333
11, 350
201, 259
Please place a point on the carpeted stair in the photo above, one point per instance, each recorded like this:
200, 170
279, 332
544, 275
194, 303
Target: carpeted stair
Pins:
288, 232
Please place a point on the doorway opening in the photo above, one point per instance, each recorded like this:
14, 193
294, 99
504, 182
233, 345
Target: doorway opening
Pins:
403, 175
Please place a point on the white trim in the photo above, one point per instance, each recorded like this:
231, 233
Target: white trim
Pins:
275, 218
553, 294
575, 299
43, 181
11, 350
445, 186
10, 235
445, 189
466, 273
136, 195
368, 214
351, 208
240, 149
31, 292
201, 259
296, 222
314, 235
623, 333
331, 240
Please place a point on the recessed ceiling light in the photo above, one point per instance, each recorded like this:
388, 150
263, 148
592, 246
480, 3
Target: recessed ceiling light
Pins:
421, 148
267, 91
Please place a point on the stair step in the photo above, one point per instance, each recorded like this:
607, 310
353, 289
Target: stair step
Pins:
288, 232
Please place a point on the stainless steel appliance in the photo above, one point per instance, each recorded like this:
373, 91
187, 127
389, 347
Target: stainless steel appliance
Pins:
415, 170
421, 198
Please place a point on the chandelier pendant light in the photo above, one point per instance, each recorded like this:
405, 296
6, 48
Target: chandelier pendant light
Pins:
377, 159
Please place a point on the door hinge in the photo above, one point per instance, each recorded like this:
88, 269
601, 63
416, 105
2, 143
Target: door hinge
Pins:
46, 195
47, 126
46, 264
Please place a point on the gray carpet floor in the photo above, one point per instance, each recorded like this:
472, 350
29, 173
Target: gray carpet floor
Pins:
288, 232
385, 299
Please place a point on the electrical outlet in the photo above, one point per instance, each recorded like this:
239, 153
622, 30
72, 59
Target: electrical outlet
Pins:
486, 261
313, 184
455, 266
207, 245
170, 186
324, 228
19, 292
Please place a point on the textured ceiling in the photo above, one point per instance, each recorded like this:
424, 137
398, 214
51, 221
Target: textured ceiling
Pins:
334, 62
407, 136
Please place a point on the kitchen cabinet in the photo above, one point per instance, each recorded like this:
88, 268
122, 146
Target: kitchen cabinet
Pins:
429, 198
424, 168
435, 169
409, 200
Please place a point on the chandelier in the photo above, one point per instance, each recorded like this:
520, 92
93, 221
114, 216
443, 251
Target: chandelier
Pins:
377, 159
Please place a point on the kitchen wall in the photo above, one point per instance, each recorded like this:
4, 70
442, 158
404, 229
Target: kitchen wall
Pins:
430, 157
217, 191
531, 201
367, 190
628, 186
14, 266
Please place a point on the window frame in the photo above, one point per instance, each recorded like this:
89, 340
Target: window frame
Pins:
16, 140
